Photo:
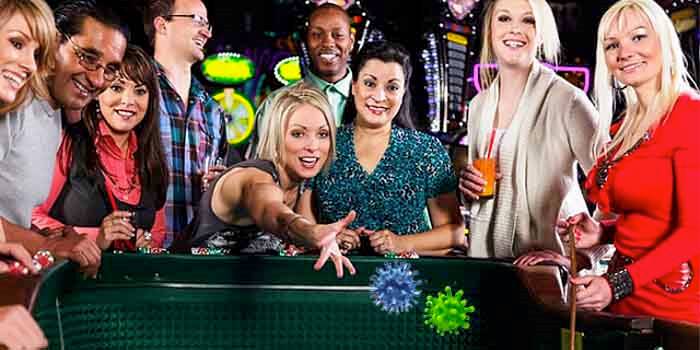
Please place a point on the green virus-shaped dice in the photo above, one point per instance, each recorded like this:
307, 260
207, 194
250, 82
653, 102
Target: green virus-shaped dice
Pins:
447, 313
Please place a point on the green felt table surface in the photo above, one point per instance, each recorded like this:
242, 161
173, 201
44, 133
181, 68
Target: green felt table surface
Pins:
271, 302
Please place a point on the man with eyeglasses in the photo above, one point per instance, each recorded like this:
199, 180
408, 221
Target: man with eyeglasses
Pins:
91, 45
191, 121
330, 41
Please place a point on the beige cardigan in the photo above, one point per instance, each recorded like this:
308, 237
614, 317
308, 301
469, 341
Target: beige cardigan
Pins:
554, 127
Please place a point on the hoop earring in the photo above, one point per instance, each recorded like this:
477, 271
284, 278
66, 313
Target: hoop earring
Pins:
617, 85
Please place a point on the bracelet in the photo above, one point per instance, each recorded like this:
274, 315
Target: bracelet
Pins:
620, 283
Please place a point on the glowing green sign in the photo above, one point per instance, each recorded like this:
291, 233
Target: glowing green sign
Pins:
228, 68
288, 70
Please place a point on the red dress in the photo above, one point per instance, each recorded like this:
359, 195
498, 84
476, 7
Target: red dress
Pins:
655, 191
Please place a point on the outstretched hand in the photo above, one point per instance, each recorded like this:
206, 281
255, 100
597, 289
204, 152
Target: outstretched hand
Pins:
329, 246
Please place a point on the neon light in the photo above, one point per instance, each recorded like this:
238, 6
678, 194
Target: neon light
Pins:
241, 113
288, 70
228, 68
457, 38
573, 69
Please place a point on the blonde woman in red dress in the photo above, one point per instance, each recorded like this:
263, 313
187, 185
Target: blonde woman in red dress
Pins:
648, 177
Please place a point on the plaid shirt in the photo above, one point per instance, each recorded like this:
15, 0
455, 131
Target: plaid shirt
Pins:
189, 137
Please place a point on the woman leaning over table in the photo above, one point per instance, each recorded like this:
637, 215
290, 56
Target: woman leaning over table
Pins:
250, 207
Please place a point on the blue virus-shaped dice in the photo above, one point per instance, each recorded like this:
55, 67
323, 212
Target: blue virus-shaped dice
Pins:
394, 287
447, 313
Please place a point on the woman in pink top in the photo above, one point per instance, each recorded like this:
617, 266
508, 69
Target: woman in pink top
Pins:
111, 177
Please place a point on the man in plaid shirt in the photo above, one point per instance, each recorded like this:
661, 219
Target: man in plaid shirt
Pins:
191, 121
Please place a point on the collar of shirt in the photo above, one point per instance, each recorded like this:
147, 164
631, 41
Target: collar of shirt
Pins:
341, 86
105, 142
197, 91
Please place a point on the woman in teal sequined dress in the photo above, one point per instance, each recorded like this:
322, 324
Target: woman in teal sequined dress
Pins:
399, 181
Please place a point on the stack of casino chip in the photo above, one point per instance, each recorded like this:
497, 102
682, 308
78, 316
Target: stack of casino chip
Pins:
290, 250
152, 251
405, 255
41, 260
209, 251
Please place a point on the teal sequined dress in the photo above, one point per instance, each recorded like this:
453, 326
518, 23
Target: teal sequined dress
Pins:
415, 167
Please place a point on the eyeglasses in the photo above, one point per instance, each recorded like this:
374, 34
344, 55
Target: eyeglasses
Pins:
91, 61
198, 20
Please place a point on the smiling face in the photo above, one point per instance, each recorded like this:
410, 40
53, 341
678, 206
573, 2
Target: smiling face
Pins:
183, 36
124, 105
378, 93
633, 50
330, 41
17, 57
513, 33
73, 85
306, 142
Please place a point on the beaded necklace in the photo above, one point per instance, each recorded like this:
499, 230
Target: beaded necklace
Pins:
125, 191
131, 182
608, 163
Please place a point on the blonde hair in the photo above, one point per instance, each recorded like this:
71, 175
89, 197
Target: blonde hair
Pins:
43, 29
546, 36
674, 77
276, 117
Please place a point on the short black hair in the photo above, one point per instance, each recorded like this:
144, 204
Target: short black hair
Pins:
71, 14
330, 7
389, 52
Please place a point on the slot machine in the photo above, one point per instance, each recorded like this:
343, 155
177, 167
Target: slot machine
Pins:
448, 54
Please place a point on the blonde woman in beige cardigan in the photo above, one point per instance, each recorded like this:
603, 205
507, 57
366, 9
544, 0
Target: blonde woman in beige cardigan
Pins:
543, 126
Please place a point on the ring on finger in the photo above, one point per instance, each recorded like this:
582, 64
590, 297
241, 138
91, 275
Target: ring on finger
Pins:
147, 235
